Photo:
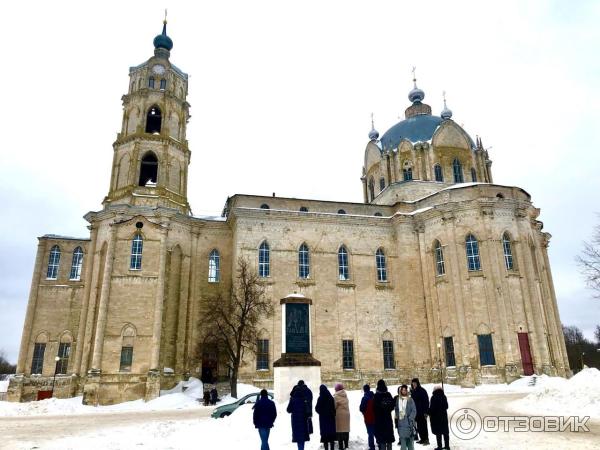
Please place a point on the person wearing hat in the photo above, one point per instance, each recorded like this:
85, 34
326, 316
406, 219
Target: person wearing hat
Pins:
342, 416
367, 409
384, 426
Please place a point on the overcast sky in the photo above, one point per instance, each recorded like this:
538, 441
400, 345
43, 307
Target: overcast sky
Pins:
281, 96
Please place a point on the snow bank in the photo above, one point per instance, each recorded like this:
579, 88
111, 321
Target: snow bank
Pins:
578, 396
3, 385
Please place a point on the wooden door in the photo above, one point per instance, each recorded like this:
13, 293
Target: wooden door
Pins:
525, 354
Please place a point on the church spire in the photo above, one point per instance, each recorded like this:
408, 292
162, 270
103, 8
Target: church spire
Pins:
163, 43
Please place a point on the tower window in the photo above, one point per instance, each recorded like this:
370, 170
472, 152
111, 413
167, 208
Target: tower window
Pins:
153, 120
341, 211
343, 268
458, 172
214, 267
407, 174
264, 206
163, 84
149, 170
303, 209
37, 363
126, 358
151, 82
472, 248
439, 175
372, 188
381, 265
53, 263
137, 246
381, 184
473, 175
76, 264
303, 262
508, 256
440, 268
264, 260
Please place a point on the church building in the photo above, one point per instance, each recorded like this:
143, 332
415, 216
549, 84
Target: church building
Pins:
437, 272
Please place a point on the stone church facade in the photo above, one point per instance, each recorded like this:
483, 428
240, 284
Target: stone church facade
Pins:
439, 271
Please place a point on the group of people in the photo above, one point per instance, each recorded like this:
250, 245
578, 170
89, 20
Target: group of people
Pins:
211, 397
410, 416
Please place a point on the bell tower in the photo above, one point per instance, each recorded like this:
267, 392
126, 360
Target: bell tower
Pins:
151, 154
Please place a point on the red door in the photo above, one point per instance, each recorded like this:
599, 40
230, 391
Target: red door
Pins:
525, 354
43, 395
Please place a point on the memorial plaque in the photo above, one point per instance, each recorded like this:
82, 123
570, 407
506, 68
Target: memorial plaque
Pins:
297, 338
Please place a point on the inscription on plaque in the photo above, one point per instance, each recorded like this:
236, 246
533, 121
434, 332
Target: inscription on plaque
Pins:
296, 328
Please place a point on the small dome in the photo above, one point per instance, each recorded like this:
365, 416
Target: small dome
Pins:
162, 40
446, 113
416, 95
373, 134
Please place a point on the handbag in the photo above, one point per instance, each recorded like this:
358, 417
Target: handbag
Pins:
309, 425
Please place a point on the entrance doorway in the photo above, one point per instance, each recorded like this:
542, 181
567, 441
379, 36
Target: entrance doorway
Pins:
525, 354
210, 364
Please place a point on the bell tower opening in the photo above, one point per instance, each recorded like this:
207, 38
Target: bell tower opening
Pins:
149, 170
153, 120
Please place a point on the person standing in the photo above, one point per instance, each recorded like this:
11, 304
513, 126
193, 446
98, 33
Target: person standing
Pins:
406, 411
368, 411
325, 408
342, 416
421, 398
438, 416
308, 396
384, 426
264, 417
297, 408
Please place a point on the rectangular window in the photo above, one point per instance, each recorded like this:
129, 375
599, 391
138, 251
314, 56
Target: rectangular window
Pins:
348, 354
440, 267
486, 350
262, 354
449, 350
163, 84
388, 355
37, 364
137, 246
126, 359
64, 350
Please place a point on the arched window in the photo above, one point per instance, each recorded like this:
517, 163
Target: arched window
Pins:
137, 244
458, 173
264, 206
472, 248
381, 265
341, 211
440, 268
163, 84
473, 175
508, 256
372, 188
303, 262
303, 209
151, 82
149, 170
343, 268
76, 264
378, 214
53, 263
381, 184
439, 175
153, 120
264, 260
214, 267
407, 174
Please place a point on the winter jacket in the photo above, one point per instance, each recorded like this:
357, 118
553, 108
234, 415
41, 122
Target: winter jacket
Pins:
438, 412
342, 412
298, 410
308, 396
367, 408
384, 426
325, 408
407, 423
264, 413
421, 398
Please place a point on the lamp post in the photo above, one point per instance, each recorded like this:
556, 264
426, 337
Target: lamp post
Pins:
56, 359
439, 346
582, 355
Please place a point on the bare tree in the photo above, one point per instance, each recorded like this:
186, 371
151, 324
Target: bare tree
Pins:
231, 321
597, 334
589, 262
5, 366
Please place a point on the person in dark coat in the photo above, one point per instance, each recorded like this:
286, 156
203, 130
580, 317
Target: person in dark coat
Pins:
438, 416
264, 417
325, 408
297, 408
421, 398
384, 426
308, 395
214, 396
367, 408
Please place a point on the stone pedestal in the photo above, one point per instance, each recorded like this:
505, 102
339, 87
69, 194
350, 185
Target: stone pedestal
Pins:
14, 393
91, 388
296, 362
152, 385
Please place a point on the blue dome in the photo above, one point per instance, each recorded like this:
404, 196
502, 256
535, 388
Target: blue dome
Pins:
416, 129
162, 40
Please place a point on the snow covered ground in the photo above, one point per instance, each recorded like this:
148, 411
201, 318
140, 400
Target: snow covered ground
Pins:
177, 420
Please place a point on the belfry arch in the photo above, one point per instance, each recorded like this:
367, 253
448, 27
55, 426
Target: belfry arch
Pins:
149, 170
